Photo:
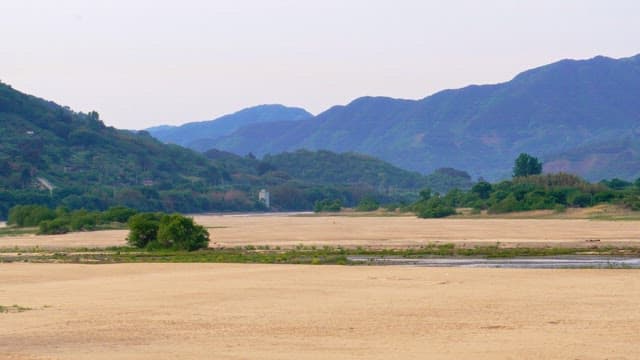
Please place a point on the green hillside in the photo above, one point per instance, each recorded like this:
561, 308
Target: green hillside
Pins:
326, 167
91, 165
53, 156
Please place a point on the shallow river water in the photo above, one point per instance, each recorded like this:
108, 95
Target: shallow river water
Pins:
553, 262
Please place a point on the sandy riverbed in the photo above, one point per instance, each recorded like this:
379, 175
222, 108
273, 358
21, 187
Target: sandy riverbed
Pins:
289, 231
219, 311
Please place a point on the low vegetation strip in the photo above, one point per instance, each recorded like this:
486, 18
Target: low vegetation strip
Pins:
300, 255
13, 309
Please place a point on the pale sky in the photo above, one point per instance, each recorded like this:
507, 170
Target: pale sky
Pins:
148, 62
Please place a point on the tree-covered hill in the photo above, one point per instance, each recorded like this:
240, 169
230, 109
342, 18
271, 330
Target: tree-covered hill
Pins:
43, 140
199, 135
326, 167
481, 129
599, 160
53, 156
298, 179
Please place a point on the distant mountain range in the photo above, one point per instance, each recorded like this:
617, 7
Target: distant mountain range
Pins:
553, 112
199, 135
51, 155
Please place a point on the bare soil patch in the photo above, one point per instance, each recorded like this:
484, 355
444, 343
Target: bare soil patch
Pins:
214, 311
381, 232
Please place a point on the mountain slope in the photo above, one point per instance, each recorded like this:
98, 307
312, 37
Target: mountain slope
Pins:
601, 160
481, 129
42, 139
326, 167
199, 135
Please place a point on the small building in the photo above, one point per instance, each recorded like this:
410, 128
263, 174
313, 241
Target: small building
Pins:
147, 182
264, 197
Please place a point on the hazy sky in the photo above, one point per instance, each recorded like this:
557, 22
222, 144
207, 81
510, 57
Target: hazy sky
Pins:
148, 62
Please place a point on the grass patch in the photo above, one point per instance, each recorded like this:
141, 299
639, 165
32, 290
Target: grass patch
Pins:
301, 254
13, 309
13, 231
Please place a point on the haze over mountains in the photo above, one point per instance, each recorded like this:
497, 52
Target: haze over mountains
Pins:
199, 135
558, 112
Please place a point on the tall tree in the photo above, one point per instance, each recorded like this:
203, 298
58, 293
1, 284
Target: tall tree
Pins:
526, 165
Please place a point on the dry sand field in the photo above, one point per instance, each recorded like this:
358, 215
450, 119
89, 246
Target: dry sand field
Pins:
220, 311
391, 231
243, 311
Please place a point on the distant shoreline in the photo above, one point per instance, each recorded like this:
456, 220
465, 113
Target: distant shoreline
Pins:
250, 214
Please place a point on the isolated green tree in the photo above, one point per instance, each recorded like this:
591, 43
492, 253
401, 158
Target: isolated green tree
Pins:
181, 233
483, 189
143, 229
526, 165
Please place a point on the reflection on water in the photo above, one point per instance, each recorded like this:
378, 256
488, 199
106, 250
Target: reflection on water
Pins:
551, 262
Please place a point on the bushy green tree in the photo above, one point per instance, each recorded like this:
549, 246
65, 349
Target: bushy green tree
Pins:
483, 189
435, 207
368, 204
328, 205
181, 233
82, 220
119, 214
158, 231
53, 227
526, 165
143, 229
29, 215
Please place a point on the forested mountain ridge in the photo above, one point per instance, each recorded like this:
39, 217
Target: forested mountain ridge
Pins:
481, 129
43, 139
326, 167
299, 179
53, 156
198, 135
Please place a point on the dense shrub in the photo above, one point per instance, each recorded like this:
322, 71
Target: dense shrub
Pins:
368, 204
119, 214
180, 233
54, 227
29, 215
631, 201
435, 207
143, 229
328, 205
83, 220
534, 192
161, 231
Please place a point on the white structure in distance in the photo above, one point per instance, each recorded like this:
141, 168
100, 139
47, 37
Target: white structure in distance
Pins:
264, 197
